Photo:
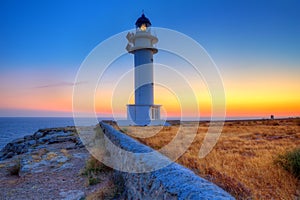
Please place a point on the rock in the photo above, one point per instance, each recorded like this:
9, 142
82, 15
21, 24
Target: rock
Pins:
31, 142
64, 166
39, 139
12, 149
57, 138
62, 159
28, 137
22, 148
38, 134
81, 155
50, 156
9, 155
72, 195
79, 143
42, 140
17, 141
40, 147
29, 166
70, 146
62, 139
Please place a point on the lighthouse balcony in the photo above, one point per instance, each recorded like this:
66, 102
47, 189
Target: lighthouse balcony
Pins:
131, 49
141, 40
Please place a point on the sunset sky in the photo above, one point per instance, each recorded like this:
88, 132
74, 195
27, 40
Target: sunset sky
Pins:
255, 45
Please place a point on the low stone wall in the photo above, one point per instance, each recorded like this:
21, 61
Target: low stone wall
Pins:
171, 182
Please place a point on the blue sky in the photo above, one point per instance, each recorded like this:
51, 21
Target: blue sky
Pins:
50, 39
63, 32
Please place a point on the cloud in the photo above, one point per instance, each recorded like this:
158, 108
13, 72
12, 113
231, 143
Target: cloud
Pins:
61, 84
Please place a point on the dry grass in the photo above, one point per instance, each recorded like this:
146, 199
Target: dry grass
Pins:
242, 162
93, 170
107, 192
51, 155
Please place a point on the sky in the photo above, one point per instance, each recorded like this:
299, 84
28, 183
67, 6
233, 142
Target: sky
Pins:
255, 45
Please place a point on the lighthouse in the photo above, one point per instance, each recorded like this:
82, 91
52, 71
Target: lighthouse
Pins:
141, 44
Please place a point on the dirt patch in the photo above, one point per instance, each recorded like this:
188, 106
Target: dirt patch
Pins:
49, 173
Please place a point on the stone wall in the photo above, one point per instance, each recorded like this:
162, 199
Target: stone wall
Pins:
171, 182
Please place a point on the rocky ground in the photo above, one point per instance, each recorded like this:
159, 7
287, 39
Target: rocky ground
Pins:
48, 165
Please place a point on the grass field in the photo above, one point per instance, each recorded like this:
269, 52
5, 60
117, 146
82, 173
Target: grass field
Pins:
243, 162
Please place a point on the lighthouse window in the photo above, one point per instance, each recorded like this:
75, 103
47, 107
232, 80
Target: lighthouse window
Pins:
143, 27
153, 113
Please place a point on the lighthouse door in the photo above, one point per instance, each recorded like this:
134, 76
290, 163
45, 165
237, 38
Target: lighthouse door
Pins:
152, 113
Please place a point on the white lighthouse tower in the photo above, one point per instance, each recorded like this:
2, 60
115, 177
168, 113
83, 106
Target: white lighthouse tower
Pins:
141, 44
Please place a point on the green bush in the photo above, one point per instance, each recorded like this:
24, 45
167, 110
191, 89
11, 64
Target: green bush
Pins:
15, 169
92, 170
93, 180
290, 161
124, 130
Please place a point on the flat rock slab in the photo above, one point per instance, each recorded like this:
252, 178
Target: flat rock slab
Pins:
48, 172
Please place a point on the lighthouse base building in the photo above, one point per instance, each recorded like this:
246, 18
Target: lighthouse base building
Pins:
144, 115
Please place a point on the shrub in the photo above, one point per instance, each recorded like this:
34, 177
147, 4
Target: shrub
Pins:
92, 180
275, 124
92, 170
15, 169
109, 191
124, 130
290, 161
298, 121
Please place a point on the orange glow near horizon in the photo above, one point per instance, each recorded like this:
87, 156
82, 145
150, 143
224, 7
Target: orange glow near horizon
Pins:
239, 103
